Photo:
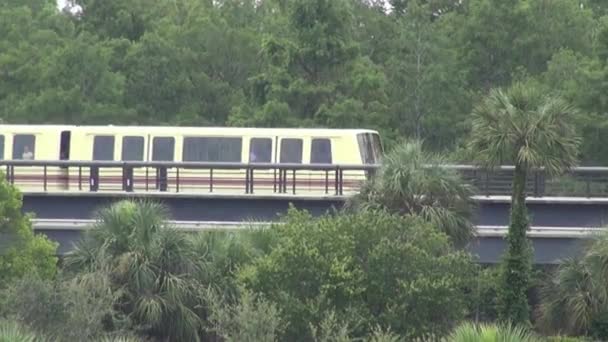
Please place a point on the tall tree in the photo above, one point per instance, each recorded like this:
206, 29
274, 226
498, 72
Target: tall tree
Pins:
522, 125
427, 85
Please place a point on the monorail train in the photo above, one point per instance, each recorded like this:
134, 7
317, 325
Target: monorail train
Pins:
184, 144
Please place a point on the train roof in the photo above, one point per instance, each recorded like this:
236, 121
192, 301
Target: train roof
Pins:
187, 129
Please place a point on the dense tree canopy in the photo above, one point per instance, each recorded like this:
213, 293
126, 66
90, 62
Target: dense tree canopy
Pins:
371, 268
408, 68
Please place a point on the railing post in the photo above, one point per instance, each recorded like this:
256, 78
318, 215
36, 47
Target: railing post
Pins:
251, 181
293, 180
337, 181
540, 180
45, 178
211, 180
284, 183
247, 180
487, 183
341, 182
127, 178
161, 178
94, 178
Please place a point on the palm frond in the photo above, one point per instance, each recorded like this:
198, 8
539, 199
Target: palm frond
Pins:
412, 181
523, 126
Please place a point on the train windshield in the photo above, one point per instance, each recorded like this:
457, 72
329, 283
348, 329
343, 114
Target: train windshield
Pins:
370, 148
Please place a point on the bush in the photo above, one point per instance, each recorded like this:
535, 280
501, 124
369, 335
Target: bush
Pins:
248, 319
21, 251
566, 339
11, 331
371, 268
73, 309
491, 333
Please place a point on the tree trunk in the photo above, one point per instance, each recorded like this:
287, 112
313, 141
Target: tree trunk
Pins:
513, 299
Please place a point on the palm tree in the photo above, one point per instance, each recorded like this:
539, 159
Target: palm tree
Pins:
412, 181
575, 300
151, 265
525, 127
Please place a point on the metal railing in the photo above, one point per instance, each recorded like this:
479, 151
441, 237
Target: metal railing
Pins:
94, 176
578, 182
300, 179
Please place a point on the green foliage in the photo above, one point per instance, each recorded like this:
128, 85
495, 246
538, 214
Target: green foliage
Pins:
370, 268
150, 265
414, 71
574, 301
483, 302
11, 331
491, 333
22, 251
523, 126
566, 339
75, 309
413, 182
250, 319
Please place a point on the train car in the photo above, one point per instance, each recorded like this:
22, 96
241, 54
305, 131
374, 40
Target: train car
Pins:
188, 144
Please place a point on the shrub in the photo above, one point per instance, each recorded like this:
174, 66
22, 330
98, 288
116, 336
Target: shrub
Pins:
468, 332
371, 268
21, 250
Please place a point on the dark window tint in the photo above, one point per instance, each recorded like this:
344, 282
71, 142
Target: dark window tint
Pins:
163, 149
212, 149
320, 151
64, 145
103, 147
376, 147
291, 151
24, 146
367, 156
133, 148
370, 148
260, 150
1, 147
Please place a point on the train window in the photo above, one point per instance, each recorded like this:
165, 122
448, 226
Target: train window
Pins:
103, 147
376, 147
133, 148
320, 151
370, 148
24, 146
1, 147
291, 151
365, 149
260, 150
64, 145
214, 149
163, 149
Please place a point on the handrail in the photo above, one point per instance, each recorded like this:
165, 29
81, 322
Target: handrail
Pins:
586, 181
198, 165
